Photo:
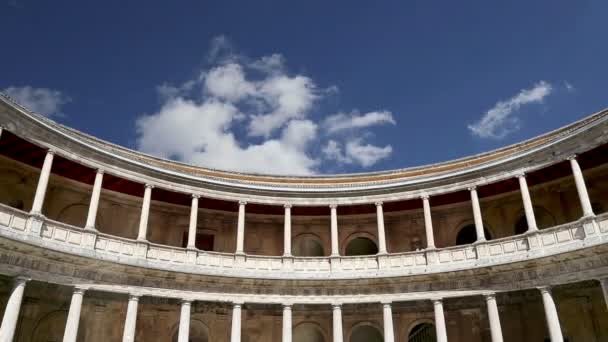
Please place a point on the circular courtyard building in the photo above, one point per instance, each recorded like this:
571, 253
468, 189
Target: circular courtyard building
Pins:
102, 243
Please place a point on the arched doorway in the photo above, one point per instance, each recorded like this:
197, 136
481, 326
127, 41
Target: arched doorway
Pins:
366, 333
361, 246
423, 332
544, 219
198, 332
307, 245
307, 332
468, 235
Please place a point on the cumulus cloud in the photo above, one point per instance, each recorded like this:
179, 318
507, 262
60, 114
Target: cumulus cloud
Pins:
247, 115
356, 151
341, 121
500, 120
44, 101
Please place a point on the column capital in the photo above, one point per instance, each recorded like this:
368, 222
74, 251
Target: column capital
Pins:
197, 196
149, 186
287, 205
386, 302
489, 296
134, 297
287, 306
101, 171
544, 289
80, 289
437, 301
571, 157
520, 175
472, 188
237, 305
336, 306
333, 206
20, 280
425, 197
379, 203
242, 202
51, 151
186, 301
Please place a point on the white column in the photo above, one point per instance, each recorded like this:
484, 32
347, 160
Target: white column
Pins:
555, 331
11, 312
131, 319
477, 214
442, 335
71, 326
387, 316
193, 223
337, 327
428, 222
145, 212
581, 188
495, 328
94, 204
287, 231
335, 251
604, 284
1, 129
184, 322
240, 229
381, 232
235, 332
43, 182
287, 323
528, 208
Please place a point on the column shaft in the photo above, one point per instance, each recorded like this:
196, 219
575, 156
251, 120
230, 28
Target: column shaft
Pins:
287, 323
287, 231
387, 316
381, 232
94, 204
337, 326
604, 284
477, 215
442, 335
235, 332
145, 212
43, 182
131, 319
528, 208
335, 251
71, 326
184, 322
11, 312
555, 331
428, 222
193, 223
581, 188
494, 317
240, 229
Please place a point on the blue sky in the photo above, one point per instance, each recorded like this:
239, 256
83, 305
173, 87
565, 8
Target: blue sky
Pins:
310, 86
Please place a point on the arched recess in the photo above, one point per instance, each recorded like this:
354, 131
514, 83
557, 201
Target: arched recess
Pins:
467, 234
199, 332
307, 245
544, 219
308, 332
422, 332
360, 243
365, 332
76, 215
16, 189
51, 328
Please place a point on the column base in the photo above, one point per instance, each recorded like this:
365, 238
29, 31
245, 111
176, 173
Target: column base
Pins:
36, 223
142, 248
334, 262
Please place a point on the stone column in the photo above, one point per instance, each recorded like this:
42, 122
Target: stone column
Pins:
381, 232
184, 322
287, 323
555, 331
428, 222
442, 335
581, 188
145, 212
11, 312
335, 251
494, 317
528, 208
71, 326
193, 223
337, 327
477, 214
43, 182
92, 215
240, 229
287, 231
387, 316
604, 284
1, 129
131, 319
235, 332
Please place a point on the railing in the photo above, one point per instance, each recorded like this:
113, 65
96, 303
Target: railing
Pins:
18, 225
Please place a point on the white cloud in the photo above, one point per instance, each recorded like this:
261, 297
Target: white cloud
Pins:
356, 152
569, 87
44, 101
499, 121
249, 116
341, 121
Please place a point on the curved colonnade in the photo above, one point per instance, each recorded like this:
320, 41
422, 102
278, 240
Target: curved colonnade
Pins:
32, 233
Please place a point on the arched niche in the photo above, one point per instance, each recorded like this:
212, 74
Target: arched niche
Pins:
307, 245
422, 332
468, 235
76, 215
361, 245
16, 189
308, 332
544, 219
199, 332
51, 328
366, 332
